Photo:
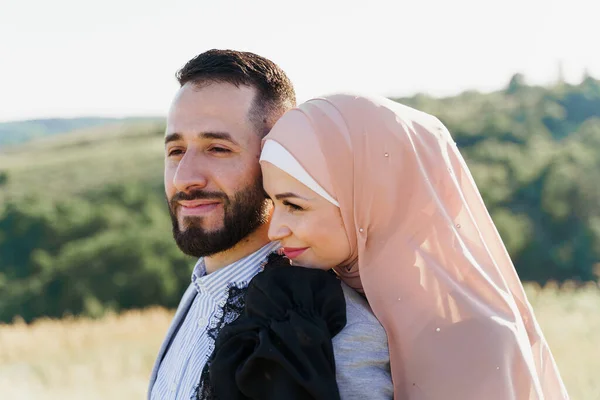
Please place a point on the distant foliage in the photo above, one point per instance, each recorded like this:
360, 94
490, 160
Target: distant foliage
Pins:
111, 251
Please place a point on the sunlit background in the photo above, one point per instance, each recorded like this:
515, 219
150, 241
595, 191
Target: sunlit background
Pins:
71, 58
89, 273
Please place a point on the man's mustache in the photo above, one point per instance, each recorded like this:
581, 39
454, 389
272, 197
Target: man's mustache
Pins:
197, 195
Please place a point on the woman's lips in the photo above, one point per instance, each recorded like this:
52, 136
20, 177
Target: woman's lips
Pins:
293, 252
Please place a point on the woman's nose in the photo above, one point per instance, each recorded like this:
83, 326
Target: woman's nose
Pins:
278, 230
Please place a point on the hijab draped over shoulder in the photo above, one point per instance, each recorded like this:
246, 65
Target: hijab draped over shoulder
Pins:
425, 251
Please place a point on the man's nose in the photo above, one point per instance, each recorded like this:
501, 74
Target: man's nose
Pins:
190, 174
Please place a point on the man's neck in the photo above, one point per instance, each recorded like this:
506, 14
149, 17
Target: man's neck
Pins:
243, 248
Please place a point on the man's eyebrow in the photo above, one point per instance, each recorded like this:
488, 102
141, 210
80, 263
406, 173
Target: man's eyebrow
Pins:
204, 135
218, 136
172, 137
288, 195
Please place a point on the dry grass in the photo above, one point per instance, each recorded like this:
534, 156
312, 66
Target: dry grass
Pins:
81, 359
570, 320
111, 358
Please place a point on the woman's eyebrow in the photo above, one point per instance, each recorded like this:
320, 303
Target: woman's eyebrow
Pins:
288, 195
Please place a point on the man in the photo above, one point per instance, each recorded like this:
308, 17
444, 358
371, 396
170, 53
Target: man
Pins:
228, 101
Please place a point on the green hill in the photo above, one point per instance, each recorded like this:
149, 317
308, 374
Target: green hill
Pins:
83, 160
16, 132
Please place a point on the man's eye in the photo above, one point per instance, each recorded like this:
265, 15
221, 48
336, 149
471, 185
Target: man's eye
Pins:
221, 150
175, 152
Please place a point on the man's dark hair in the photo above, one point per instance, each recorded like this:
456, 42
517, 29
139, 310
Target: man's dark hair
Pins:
274, 91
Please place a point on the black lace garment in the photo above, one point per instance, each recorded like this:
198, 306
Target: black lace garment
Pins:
279, 347
233, 308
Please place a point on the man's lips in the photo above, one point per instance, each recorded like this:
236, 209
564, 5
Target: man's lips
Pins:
293, 252
197, 207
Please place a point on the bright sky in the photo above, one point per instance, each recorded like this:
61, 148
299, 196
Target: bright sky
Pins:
66, 58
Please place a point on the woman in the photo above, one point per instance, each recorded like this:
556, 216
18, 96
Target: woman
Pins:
380, 193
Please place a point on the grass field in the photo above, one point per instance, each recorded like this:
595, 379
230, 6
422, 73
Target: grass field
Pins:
111, 358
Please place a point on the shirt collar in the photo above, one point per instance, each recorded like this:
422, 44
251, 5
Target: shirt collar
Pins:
238, 273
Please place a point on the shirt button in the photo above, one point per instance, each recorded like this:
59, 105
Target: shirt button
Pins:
202, 321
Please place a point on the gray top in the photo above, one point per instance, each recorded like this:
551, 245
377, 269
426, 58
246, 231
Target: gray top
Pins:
361, 352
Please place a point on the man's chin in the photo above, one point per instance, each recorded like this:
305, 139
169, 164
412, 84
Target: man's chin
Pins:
196, 244
198, 224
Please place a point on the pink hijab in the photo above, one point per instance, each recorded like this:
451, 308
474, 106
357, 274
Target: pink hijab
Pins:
430, 260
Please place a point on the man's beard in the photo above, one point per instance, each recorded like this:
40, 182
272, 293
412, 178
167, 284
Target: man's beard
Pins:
243, 215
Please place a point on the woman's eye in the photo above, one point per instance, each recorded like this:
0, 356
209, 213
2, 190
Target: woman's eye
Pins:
292, 206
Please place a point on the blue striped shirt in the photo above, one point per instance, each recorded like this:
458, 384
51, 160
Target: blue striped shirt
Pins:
180, 370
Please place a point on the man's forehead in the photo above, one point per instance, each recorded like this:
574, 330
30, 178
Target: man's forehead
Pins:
213, 108
213, 97
193, 124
